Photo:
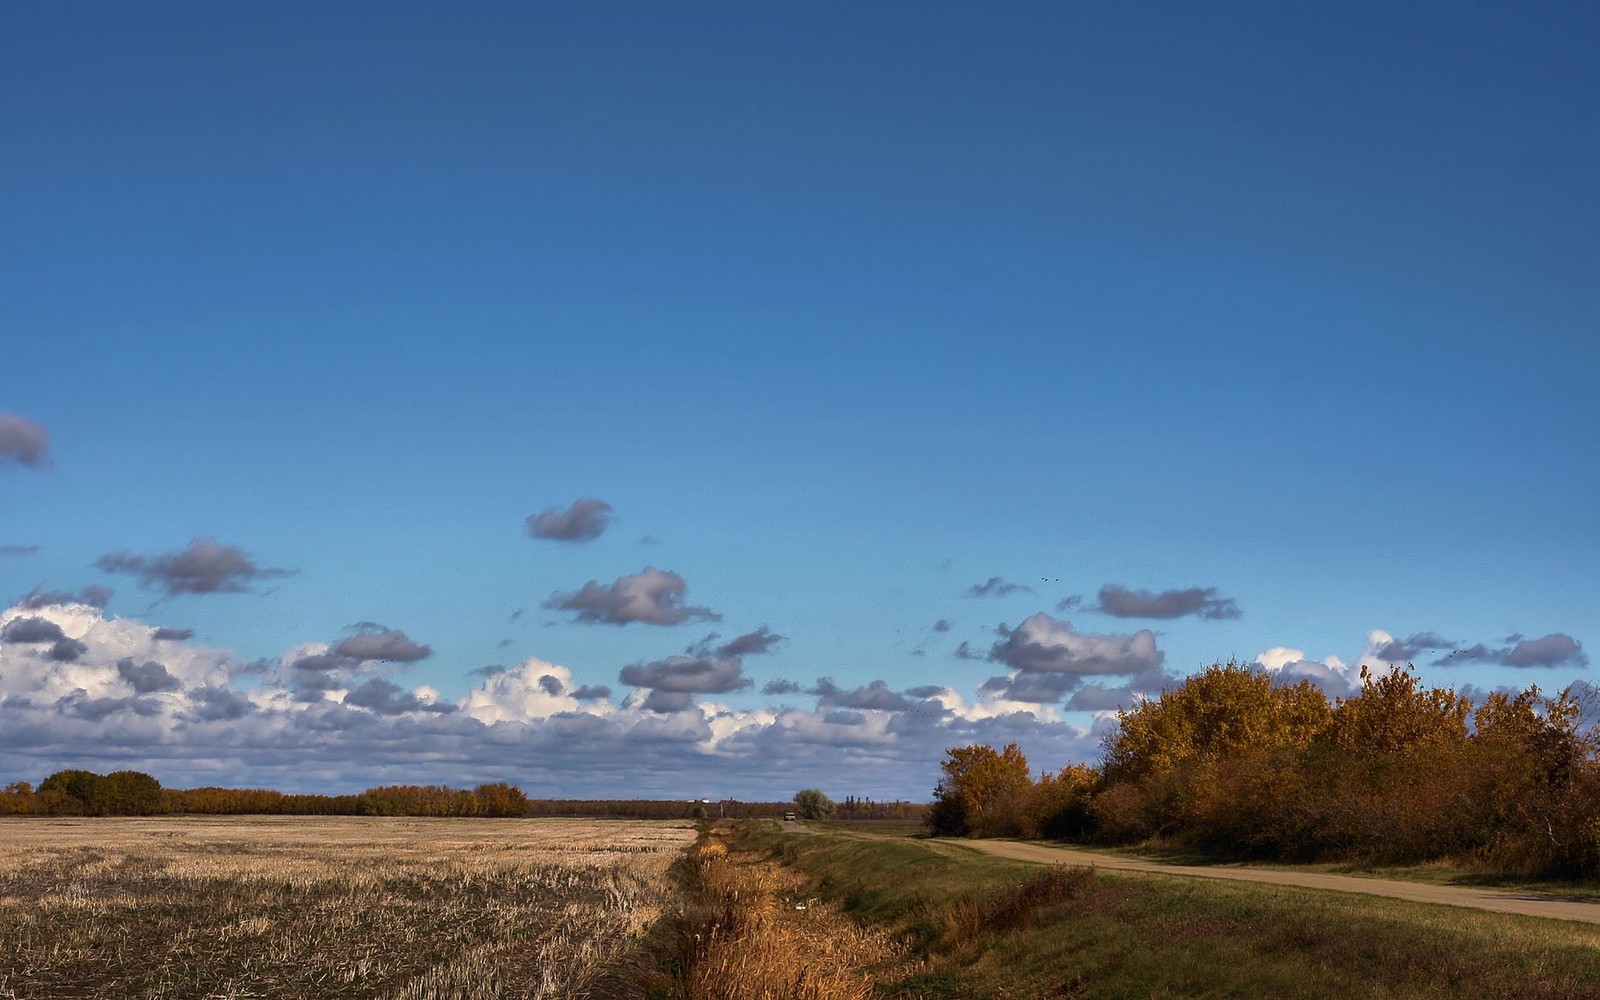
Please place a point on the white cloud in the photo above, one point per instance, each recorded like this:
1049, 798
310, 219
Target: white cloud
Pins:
519, 696
1330, 673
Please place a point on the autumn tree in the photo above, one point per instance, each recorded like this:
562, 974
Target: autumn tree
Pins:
982, 793
131, 793
17, 799
1058, 806
1393, 775
73, 791
1395, 714
812, 804
1185, 763
501, 799
1533, 784
85, 793
1226, 709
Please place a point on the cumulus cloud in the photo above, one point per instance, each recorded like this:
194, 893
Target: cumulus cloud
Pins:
205, 567
1040, 688
652, 596
148, 677
173, 634
942, 625
762, 640
322, 662
779, 686
311, 720
996, 587
1405, 650
1202, 602
584, 521
534, 690
93, 595
876, 696
24, 442
1041, 643
30, 630
1070, 602
102, 658
66, 650
700, 674
388, 698
663, 701
1288, 665
1554, 650
217, 704
1099, 697
375, 642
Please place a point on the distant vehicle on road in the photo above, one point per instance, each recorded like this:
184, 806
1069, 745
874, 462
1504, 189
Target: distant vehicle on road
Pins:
788, 817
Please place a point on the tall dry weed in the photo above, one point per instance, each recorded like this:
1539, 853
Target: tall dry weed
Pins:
755, 936
957, 924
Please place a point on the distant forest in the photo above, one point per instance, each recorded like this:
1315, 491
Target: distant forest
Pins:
134, 793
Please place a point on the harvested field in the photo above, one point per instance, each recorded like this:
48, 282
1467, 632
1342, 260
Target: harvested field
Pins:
326, 906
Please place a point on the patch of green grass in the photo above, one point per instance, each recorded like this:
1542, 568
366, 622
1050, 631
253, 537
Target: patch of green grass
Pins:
1131, 934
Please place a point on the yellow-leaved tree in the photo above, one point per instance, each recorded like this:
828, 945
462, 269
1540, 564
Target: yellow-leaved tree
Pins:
983, 793
1211, 760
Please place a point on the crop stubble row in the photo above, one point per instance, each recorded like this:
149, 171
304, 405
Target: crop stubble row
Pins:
324, 907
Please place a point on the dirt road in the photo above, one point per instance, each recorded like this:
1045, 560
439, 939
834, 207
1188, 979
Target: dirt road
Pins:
1528, 904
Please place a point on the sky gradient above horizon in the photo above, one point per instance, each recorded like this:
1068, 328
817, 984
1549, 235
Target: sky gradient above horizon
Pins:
628, 400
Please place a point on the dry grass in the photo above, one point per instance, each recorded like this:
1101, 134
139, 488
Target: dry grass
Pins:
755, 935
326, 906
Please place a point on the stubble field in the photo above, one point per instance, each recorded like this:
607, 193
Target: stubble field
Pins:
327, 906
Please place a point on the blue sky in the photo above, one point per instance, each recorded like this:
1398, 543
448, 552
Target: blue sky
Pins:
1282, 316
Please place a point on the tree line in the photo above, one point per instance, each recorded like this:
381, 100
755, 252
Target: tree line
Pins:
1232, 763
134, 793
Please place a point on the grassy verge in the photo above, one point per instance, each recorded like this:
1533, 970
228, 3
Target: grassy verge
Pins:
978, 926
1431, 873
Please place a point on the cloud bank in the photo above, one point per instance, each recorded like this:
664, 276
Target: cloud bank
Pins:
314, 719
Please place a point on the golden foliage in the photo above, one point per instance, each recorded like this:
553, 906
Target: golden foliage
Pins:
1231, 763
